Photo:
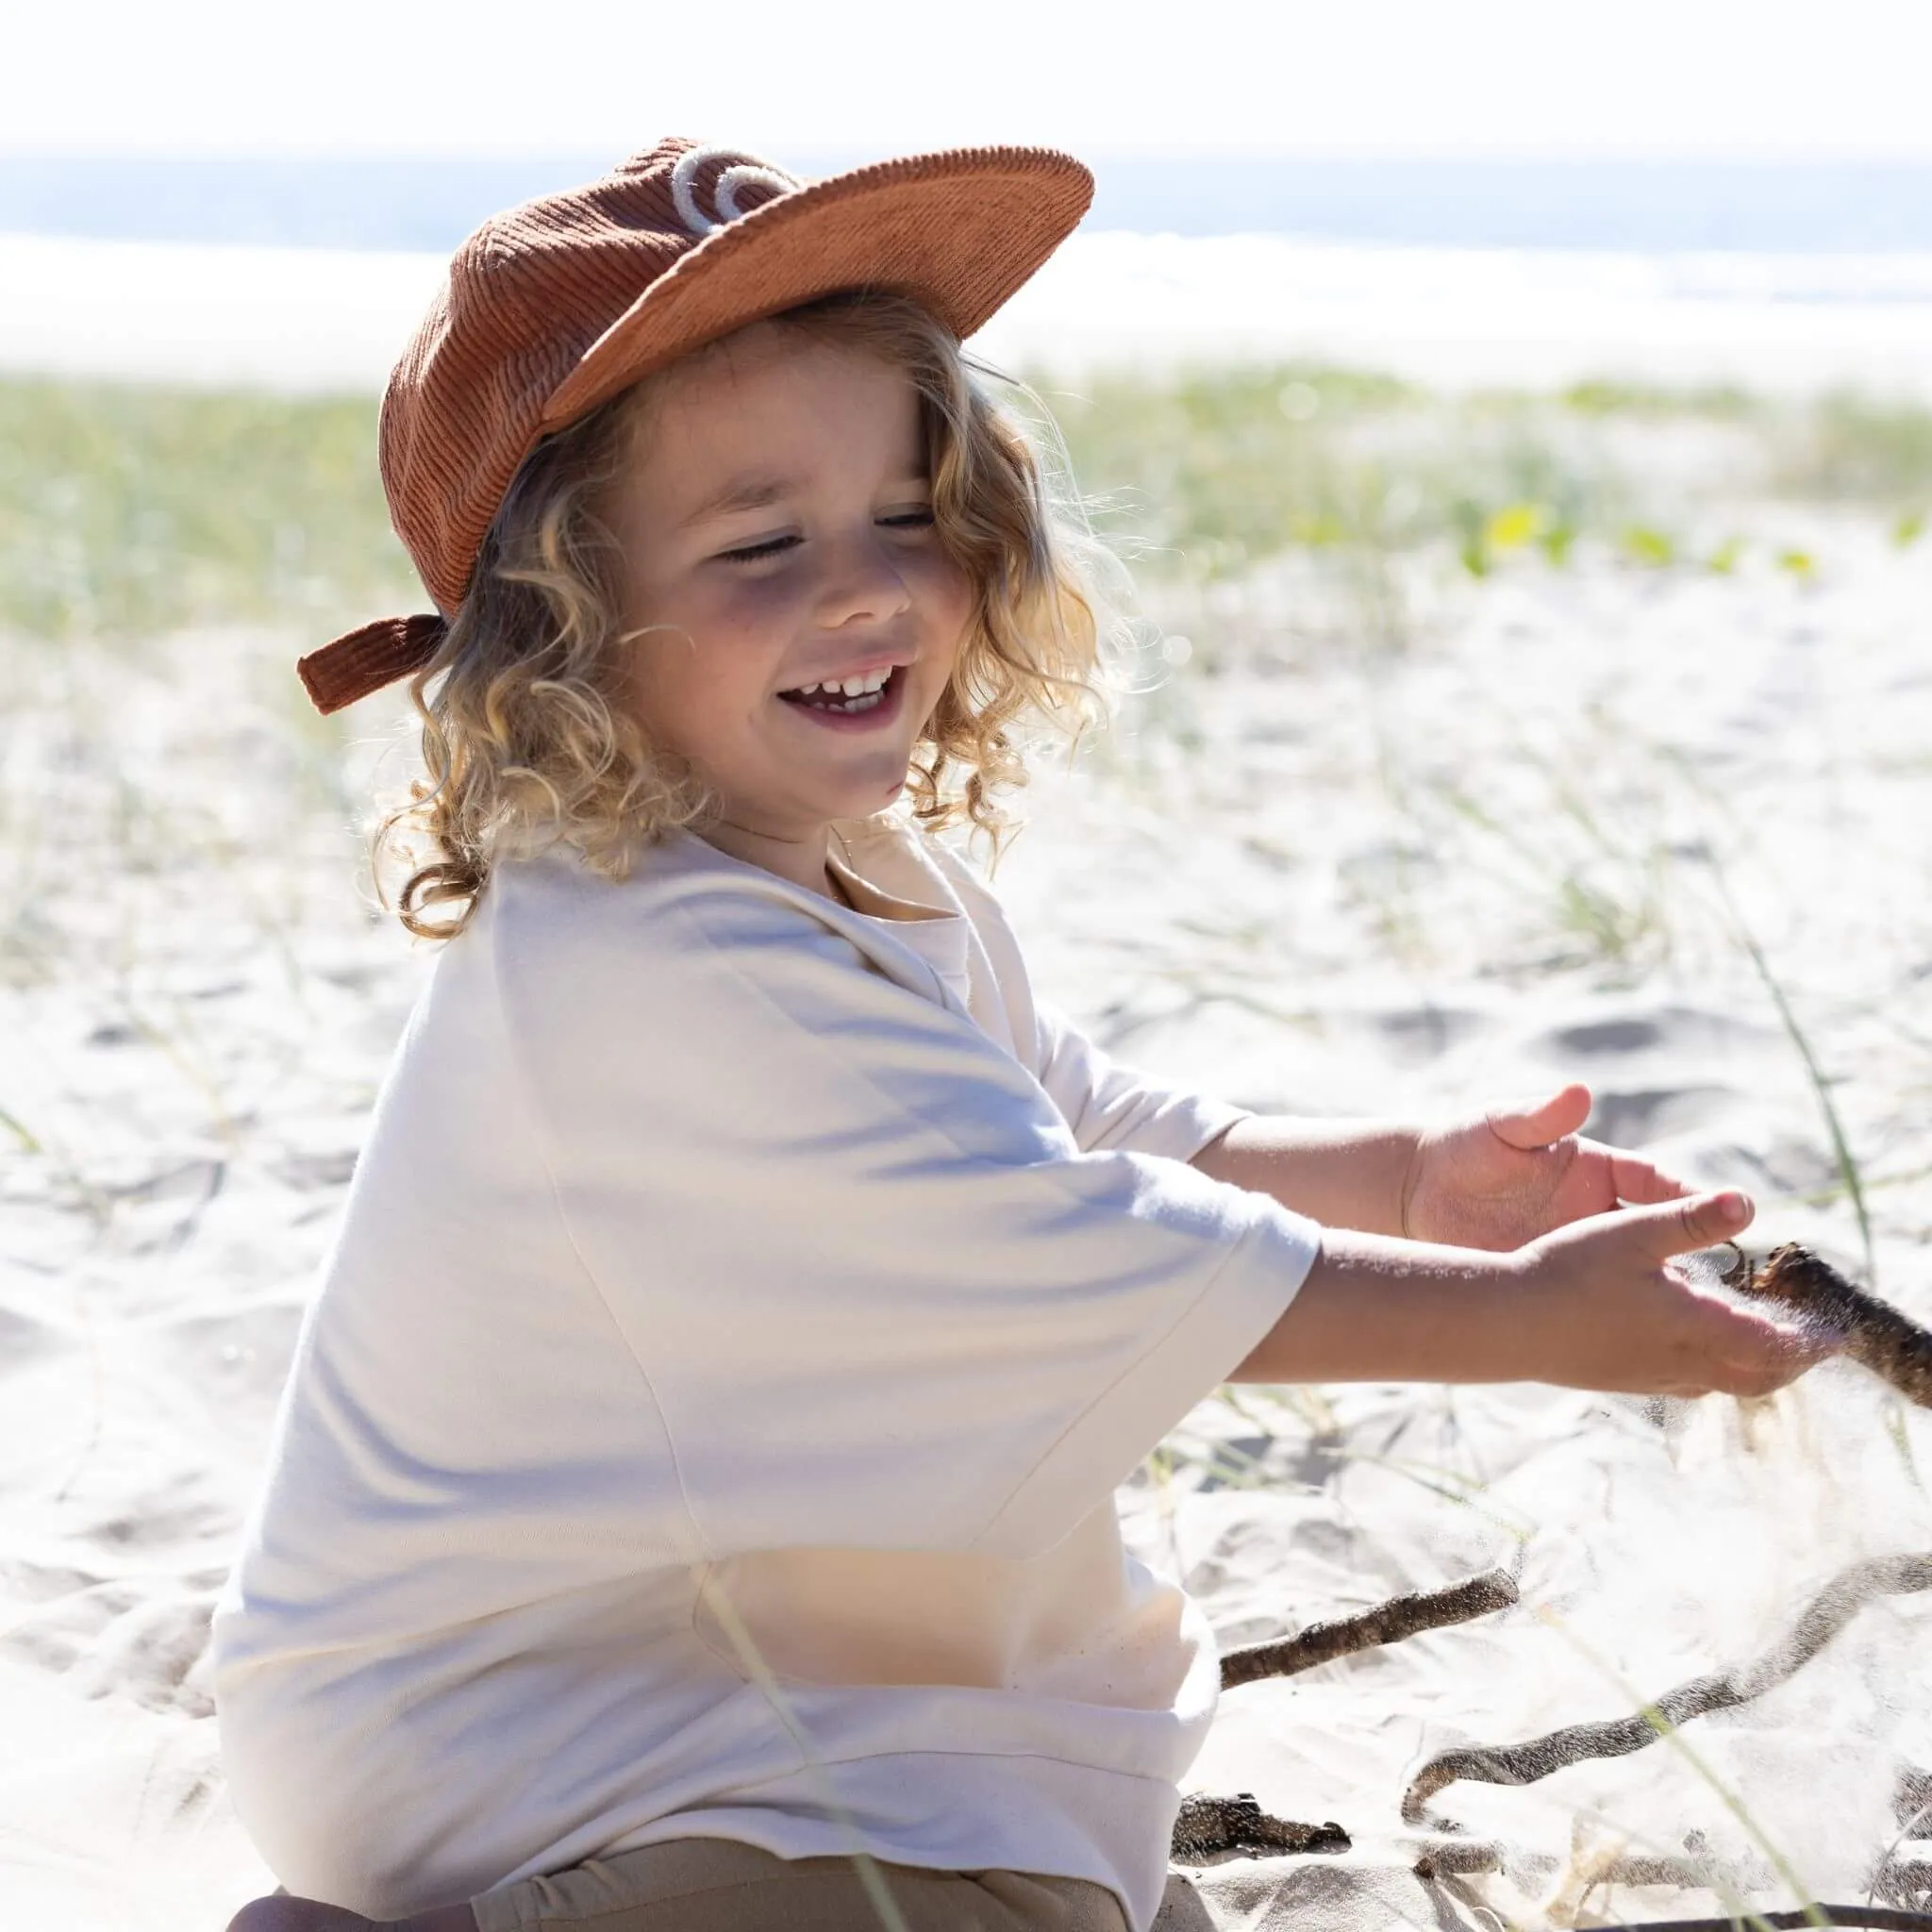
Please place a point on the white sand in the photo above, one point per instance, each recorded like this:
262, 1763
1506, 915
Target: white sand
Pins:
1304, 875
319, 319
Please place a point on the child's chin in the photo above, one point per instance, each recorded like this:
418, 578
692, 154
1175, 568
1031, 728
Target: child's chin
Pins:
859, 793
863, 805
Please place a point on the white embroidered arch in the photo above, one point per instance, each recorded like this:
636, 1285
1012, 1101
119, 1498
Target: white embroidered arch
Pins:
743, 172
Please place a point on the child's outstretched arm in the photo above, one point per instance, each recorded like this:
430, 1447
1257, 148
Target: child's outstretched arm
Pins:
1496, 1182
1591, 1306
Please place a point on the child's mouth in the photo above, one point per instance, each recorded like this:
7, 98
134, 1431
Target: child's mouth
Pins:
876, 699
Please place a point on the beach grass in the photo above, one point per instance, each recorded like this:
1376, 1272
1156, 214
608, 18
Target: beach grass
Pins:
127, 509
1204, 475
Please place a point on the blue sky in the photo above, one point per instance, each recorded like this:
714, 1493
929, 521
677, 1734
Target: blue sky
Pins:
1794, 79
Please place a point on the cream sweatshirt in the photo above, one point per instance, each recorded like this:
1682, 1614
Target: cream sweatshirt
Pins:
743, 1312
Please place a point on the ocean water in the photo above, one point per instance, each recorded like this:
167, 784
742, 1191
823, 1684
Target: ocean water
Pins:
427, 204
310, 274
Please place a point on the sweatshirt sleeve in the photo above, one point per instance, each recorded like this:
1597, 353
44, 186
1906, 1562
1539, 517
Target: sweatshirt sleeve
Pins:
1109, 1104
882, 1296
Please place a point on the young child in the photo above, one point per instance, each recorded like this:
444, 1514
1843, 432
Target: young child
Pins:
692, 1501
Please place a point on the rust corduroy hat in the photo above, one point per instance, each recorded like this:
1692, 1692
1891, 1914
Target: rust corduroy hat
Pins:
555, 306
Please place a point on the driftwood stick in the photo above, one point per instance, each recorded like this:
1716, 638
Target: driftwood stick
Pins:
1826, 1614
1906, 1883
1400, 1617
1455, 1858
1878, 1918
1209, 1828
1878, 1336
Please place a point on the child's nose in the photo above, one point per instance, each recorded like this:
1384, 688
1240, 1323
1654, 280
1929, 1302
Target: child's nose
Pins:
863, 581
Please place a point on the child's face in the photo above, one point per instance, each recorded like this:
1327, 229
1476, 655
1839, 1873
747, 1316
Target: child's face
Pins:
776, 518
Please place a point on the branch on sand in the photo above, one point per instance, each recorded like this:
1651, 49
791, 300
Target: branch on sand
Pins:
1455, 1858
1400, 1617
1878, 1918
1827, 1613
1878, 1336
1209, 1828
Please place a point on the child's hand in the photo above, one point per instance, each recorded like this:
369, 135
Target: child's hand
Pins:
1591, 1306
1604, 1311
1518, 1172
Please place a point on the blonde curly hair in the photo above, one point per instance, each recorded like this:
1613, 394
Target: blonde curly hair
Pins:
523, 742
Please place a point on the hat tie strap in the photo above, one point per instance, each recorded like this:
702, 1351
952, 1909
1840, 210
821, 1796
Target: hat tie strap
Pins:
365, 660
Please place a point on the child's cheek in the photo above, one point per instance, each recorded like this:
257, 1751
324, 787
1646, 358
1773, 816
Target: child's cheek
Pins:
756, 600
943, 591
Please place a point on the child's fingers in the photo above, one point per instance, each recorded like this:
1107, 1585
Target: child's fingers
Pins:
1642, 1185
1673, 1339
1679, 1227
1532, 1125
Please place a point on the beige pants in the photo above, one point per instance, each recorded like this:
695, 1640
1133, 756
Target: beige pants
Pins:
714, 1885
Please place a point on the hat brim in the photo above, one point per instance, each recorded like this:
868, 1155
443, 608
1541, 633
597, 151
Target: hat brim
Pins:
962, 231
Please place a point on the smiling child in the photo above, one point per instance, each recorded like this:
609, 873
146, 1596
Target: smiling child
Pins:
693, 1504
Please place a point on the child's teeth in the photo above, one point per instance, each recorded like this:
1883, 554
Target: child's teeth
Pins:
849, 695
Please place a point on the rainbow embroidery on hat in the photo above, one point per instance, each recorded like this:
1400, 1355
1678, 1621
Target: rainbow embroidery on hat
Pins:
741, 171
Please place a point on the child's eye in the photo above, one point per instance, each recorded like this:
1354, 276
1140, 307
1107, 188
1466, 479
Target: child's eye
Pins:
774, 547
751, 552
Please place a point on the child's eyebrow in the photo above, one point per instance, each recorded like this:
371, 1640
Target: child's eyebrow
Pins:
741, 493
